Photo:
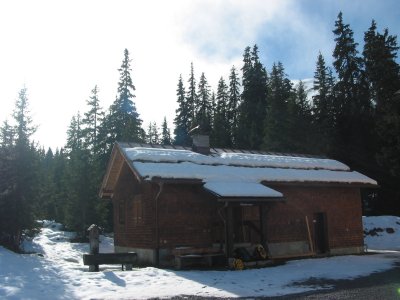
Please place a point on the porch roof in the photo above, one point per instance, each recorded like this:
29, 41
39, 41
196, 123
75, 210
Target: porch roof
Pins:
241, 189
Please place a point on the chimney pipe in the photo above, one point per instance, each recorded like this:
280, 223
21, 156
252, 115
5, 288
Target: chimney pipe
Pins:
201, 144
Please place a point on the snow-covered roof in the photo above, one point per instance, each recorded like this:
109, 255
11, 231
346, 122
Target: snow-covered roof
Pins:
241, 189
232, 159
189, 170
238, 174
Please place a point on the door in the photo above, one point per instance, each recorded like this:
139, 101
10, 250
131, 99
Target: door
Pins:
320, 233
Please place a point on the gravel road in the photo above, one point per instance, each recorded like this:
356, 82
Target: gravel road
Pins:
377, 286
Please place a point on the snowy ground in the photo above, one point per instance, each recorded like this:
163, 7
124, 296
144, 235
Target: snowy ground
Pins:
58, 272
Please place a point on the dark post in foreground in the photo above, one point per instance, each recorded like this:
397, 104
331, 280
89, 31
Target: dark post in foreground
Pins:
94, 244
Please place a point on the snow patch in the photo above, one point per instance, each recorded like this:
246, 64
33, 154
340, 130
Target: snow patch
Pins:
386, 232
57, 275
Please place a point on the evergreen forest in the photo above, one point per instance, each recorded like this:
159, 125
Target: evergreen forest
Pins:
351, 114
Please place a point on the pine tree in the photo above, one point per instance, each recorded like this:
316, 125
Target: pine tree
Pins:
19, 194
382, 70
152, 136
165, 133
203, 108
254, 101
191, 98
80, 200
7, 186
300, 129
7, 135
74, 134
221, 127
383, 74
277, 122
182, 119
46, 202
213, 102
233, 105
352, 104
61, 191
323, 114
92, 122
124, 122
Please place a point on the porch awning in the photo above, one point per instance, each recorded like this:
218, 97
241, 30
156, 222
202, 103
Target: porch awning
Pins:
241, 191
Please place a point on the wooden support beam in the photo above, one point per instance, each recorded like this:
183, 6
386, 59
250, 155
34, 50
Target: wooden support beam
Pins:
262, 210
229, 230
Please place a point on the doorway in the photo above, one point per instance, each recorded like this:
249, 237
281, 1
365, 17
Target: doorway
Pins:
320, 233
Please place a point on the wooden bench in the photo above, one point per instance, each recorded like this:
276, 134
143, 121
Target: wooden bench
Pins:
124, 259
190, 256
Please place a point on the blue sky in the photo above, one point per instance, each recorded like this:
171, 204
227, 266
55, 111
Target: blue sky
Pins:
300, 29
60, 49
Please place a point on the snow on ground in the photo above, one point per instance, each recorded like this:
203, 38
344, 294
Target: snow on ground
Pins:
383, 233
56, 271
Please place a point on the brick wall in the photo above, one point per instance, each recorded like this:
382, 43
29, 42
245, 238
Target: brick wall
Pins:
188, 216
342, 206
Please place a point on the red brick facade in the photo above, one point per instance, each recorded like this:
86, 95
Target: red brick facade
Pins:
190, 216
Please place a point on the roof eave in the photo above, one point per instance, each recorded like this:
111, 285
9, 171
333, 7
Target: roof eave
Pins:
322, 184
177, 180
251, 200
104, 192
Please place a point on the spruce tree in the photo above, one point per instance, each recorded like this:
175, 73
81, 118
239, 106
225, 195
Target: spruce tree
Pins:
191, 98
352, 103
203, 107
300, 129
323, 114
7, 186
78, 209
383, 75
19, 194
74, 134
213, 107
182, 119
165, 133
92, 122
277, 121
233, 106
46, 201
221, 128
7, 135
254, 101
382, 70
124, 121
152, 136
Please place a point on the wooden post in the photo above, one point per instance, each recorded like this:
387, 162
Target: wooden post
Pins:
262, 211
94, 242
229, 231
309, 235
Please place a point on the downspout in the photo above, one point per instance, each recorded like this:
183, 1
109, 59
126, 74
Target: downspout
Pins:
157, 258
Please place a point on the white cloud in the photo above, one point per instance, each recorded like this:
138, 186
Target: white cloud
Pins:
61, 49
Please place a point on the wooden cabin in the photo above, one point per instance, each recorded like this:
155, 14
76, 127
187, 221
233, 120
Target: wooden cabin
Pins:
167, 198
